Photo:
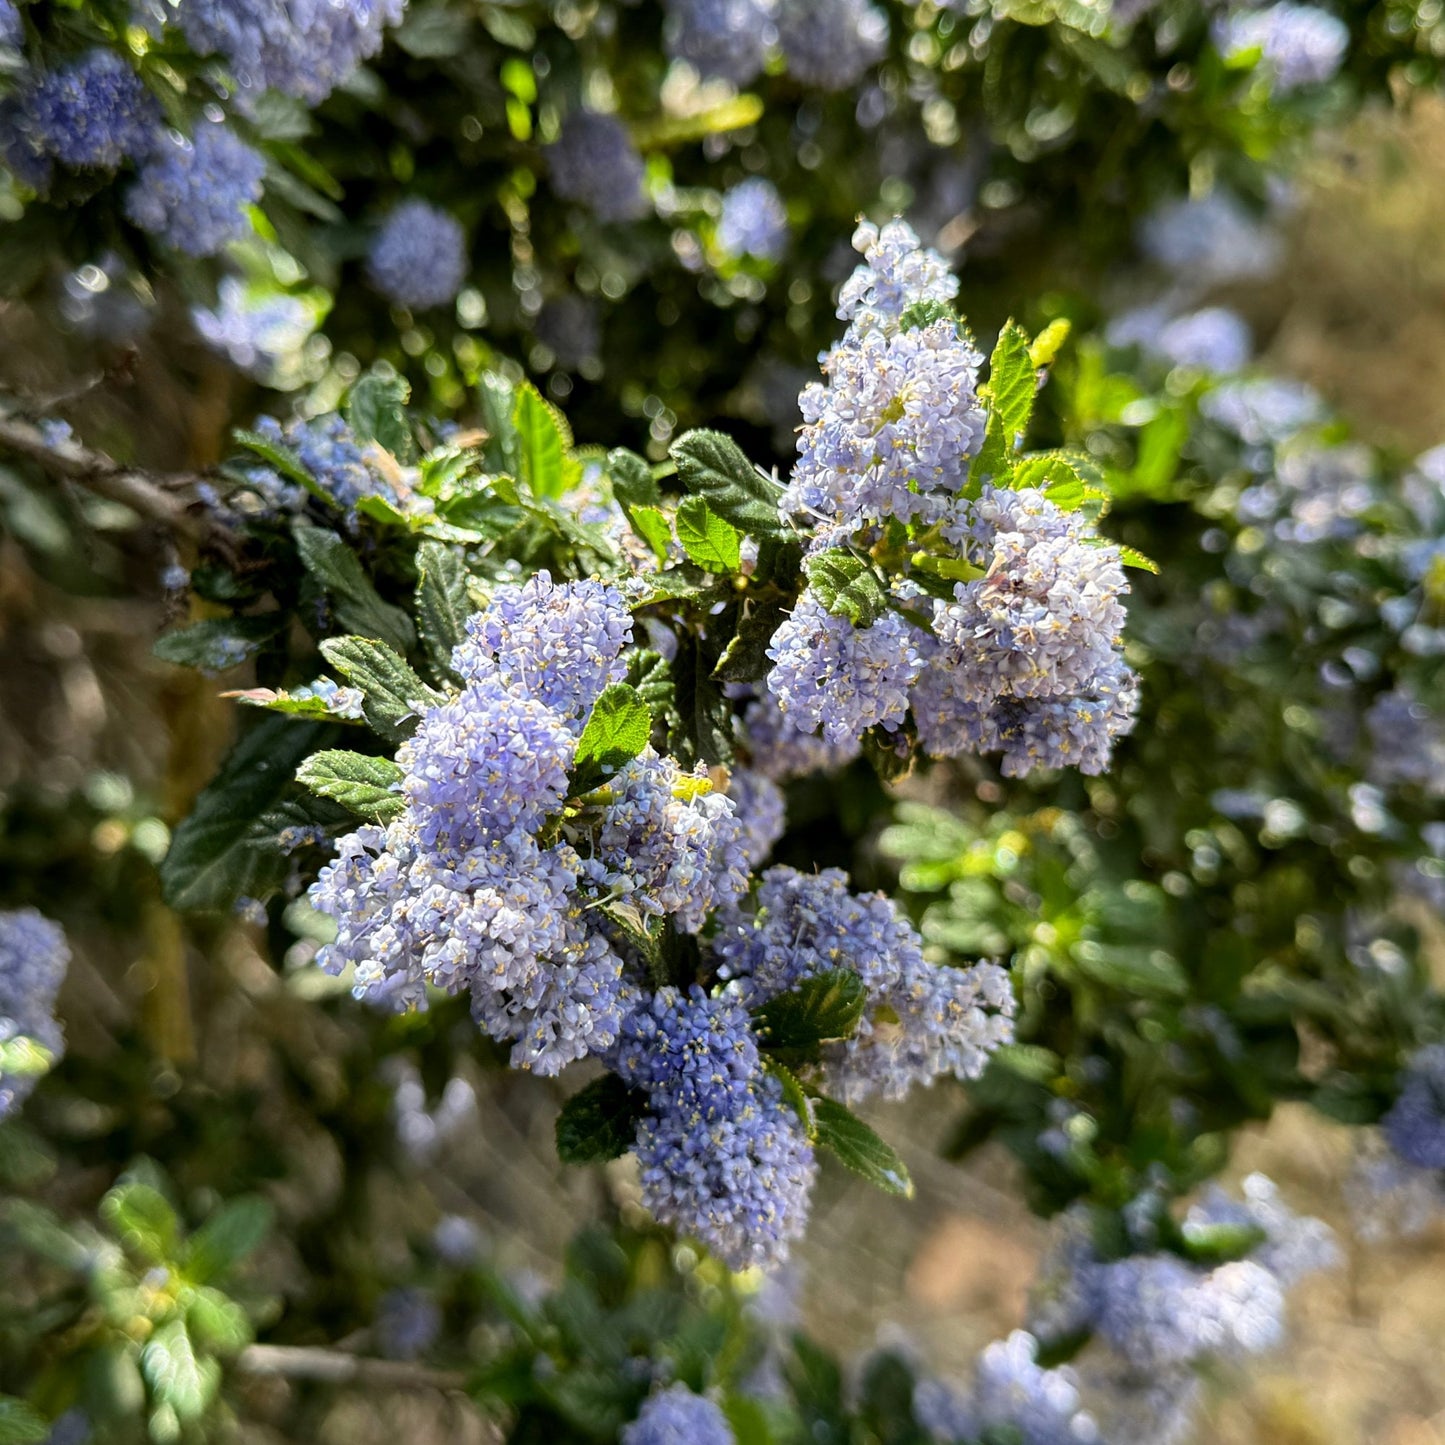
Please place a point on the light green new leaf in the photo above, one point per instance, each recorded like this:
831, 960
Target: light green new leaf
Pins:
544, 442
715, 545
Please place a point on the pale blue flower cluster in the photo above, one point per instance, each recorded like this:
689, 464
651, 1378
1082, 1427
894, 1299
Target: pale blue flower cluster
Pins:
761, 810
1013, 1395
482, 884
754, 221
12, 28
193, 194
675, 1416
1409, 742
723, 1156
257, 333
328, 450
779, 751
727, 39
1213, 339
33, 959
418, 259
1298, 44
91, 113
1415, 1125
305, 48
1263, 410
1026, 660
1312, 493
891, 431
1210, 240
829, 675
594, 162
571, 329
831, 43
922, 1020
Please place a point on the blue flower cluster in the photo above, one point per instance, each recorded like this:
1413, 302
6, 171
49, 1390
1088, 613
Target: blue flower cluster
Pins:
1012, 1395
1409, 742
258, 333
328, 450
1298, 44
92, 113
12, 28
754, 221
1415, 1126
33, 960
594, 162
1026, 660
193, 194
922, 1020
1210, 240
486, 882
778, 751
676, 1416
305, 48
1213, 338
418, 259
408, 1323
831, 43
728, 39
724, 1157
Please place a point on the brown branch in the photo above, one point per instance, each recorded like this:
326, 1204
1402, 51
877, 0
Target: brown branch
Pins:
336, 1367
163, 498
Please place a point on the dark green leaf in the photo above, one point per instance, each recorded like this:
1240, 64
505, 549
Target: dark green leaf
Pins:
376, 411
214, 855
702, 728
827, 1006
847, 586
227, 1237
369, 787
715, 545
745, 658
599, 1122
918, 314
712, 466
395, 695
283, 460
793, 1092
860, 1149
632, 481
219, 643
1132, 969
442, 603
357, 606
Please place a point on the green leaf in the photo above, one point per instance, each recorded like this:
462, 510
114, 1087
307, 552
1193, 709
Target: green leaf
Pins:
712, 466
702, 724
218, 1323
219, 643
544, 442
144, 1220
745, 658
632, 481
283, 460
176, 1377
793, 1092
395, 695
599, 1122
1157, 462
827, 1006
19, 1424
1132, 969
1131, 558
284, 702
1012, 385
215, 855
1048, 471
227, 1237
22, 1057
860, 1149
847, 586
918, 314
748, 1420
376, 411
650, 523
358, 607
369, 787
715, 545
498, 399
1215, 1244
616, 732
442, 603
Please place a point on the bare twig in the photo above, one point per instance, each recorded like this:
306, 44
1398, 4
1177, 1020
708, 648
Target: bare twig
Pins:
336, 1367
164, 498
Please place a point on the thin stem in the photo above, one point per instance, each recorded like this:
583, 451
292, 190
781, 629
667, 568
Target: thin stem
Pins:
164, 498
337, 1367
